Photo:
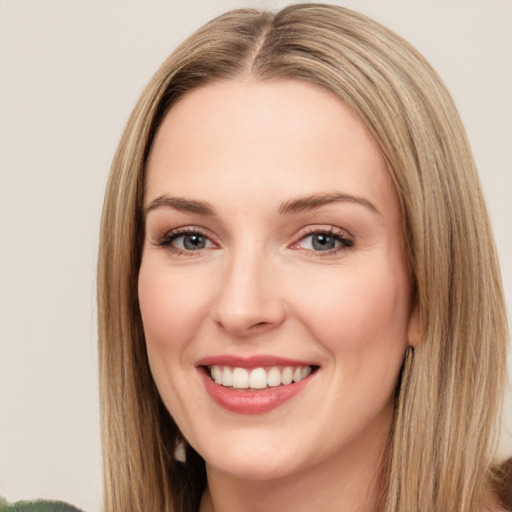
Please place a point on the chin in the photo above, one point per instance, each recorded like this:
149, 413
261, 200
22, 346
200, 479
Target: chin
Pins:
253, 467
252, 457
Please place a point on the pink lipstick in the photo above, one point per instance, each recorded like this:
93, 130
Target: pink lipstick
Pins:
256, 384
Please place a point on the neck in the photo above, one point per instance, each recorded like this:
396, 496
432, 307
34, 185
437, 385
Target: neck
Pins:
349, 482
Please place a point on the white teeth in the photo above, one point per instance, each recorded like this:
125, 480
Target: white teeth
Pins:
304, 372
274, 377
217, 374
287, 375
240, 378
258, 378
227, 377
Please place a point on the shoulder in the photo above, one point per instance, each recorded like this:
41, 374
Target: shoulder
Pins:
37, 506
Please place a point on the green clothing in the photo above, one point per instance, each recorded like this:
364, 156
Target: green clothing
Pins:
37, 506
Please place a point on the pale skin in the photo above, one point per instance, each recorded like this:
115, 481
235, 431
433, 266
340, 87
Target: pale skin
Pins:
299, 252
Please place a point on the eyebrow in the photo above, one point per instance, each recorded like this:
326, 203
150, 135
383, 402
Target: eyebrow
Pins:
181, 204
298, 205
314, 201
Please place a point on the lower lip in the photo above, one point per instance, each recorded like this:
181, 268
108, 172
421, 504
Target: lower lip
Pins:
251, 402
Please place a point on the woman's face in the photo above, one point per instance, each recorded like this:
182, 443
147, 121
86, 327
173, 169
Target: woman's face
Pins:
273, 253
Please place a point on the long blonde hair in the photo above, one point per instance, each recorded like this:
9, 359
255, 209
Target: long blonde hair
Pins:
442, 442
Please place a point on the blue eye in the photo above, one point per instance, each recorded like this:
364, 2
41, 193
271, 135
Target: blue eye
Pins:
325, 241
191, 242
185, 242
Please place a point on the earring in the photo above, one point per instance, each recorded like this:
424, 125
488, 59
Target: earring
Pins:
180, 450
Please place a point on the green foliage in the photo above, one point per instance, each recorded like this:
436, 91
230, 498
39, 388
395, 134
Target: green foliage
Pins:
37, 506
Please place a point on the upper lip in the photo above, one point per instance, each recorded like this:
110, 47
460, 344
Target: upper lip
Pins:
255, 361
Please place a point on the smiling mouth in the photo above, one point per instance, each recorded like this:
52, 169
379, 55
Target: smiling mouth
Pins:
255, 379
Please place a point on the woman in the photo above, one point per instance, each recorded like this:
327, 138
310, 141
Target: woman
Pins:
299, 296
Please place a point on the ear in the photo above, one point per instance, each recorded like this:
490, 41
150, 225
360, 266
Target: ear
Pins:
413, 329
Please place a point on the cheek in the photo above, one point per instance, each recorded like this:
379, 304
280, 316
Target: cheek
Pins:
363, 327
361, 313
171, 305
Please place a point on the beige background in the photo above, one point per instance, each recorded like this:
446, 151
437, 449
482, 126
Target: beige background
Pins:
70, 73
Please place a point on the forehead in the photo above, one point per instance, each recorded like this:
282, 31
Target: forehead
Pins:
257, 137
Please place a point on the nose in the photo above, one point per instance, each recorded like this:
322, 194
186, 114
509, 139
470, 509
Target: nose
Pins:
249, 300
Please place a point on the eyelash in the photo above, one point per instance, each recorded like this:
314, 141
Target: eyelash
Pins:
167, 240
337, 234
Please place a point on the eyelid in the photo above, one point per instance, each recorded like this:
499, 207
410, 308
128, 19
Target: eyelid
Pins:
342, 235
165, 240
345, 239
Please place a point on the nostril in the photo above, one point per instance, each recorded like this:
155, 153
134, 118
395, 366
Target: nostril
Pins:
260, 325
